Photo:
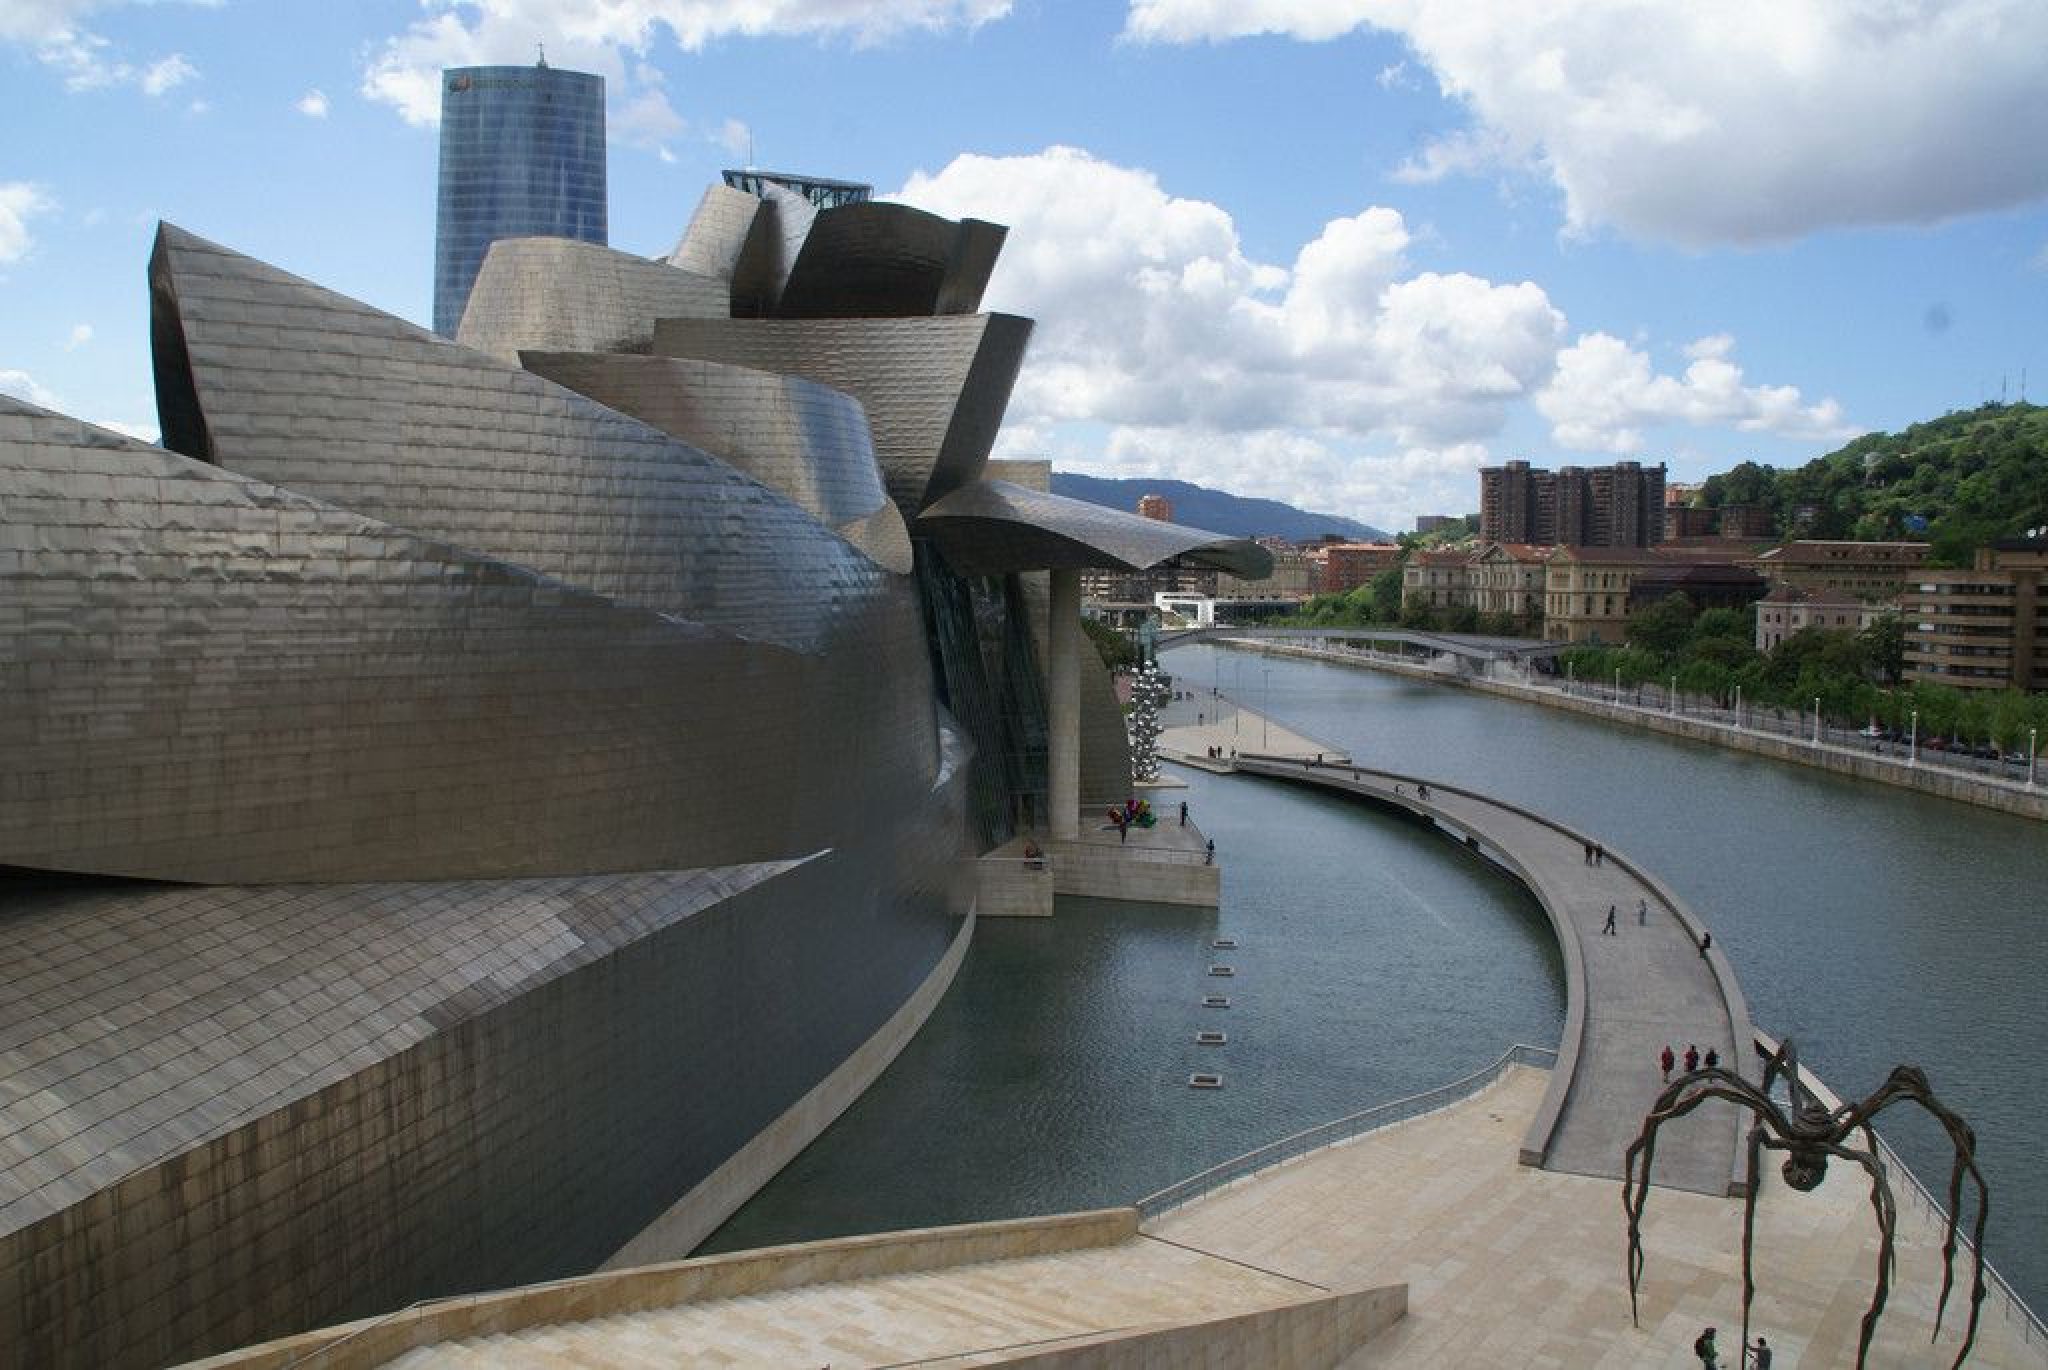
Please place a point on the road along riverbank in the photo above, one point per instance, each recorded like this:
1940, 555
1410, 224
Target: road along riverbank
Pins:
1885, 770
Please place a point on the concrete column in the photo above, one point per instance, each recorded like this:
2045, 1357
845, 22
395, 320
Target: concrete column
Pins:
1063, 705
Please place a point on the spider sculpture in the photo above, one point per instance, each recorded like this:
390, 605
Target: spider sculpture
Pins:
1810, 1134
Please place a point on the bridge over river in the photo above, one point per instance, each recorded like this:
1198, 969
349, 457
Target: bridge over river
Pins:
1466, 651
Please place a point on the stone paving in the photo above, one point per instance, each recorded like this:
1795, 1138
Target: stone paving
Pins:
1508, 1266
913, 1317
1504, 1266
1643, 986
1190, 727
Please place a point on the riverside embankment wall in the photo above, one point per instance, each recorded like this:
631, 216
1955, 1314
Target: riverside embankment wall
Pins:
1883, 770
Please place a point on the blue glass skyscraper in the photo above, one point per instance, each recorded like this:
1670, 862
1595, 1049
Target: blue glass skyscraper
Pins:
522, 154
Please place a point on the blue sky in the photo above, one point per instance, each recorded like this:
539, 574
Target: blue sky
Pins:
1339, 252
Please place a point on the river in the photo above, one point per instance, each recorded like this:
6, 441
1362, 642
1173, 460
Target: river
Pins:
1874, 925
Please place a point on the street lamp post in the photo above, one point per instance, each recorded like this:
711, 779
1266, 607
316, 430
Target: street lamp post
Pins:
1738, 708
1617, 686
2032, 737
1671, 700
1816, 722
1570, 670
1913, 741
1267, 696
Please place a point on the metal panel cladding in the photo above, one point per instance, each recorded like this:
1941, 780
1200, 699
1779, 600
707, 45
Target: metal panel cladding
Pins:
522, 155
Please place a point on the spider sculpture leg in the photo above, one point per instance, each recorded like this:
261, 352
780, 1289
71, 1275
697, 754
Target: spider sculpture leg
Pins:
1681, 1097
1907, 1082
1887, 1221
1755, 1174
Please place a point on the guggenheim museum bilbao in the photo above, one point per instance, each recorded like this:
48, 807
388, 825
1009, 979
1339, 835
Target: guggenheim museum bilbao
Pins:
467, 802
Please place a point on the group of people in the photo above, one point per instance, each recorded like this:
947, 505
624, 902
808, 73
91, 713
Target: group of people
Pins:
1596, 855
1216, 753
1693, 1059
1710, 1355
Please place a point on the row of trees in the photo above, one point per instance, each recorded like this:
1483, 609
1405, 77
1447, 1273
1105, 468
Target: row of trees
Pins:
1855, 676
1378, 604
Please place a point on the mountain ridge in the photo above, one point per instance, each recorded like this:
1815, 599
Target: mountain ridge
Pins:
1218, 511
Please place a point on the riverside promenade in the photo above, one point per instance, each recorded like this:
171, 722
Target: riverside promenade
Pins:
1627, 993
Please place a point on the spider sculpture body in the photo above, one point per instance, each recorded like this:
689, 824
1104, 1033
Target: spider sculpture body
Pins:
1810, 1134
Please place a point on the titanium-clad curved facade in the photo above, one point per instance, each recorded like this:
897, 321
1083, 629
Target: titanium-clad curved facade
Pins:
456, 811
993, 526
807, 440
876, 260
555, 805
934, 389
567, 296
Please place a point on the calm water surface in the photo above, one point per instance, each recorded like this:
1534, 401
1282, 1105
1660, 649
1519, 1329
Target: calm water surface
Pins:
1874, 925
1374, 960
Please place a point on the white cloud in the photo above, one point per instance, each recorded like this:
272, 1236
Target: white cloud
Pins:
313, 104
1710, 123
646, 120
20, 201
1150, 315
1605, 393
600, 35
166, 73
80, 335
23, 386
85, 61
735, 137
1345, 380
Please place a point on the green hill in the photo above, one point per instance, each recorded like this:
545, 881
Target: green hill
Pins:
1959, 481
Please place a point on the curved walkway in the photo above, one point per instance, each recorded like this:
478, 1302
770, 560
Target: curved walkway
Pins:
1626, 994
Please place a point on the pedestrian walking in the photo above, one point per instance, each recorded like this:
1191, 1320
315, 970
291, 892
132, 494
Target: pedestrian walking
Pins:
1209, 853
1183, 813
1760, 1354
1666, 1060
1706, 944
1589, 853
1642, 913
1712, 1058
1692, 1058
1599, 855
1703, 1347
1608, 930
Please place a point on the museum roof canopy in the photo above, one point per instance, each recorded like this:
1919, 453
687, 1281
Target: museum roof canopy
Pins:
992, 526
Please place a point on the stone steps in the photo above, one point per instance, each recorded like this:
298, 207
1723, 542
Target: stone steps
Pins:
987, 1310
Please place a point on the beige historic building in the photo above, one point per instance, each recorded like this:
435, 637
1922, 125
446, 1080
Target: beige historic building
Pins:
1981, 629
1861, 570
1507, 578
1787, 610
1585, 592
1437, 580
